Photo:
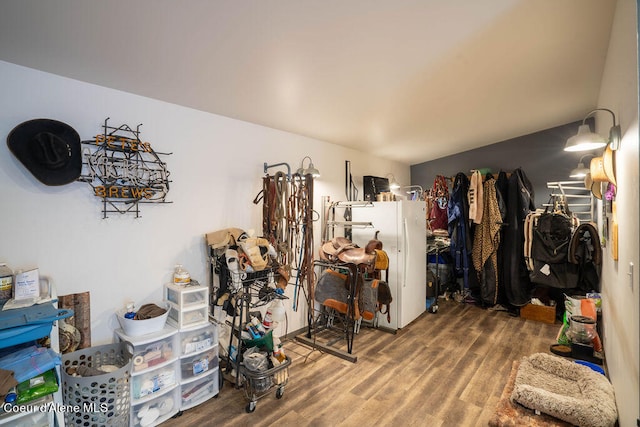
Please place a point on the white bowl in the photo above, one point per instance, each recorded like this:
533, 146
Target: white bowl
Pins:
135, 328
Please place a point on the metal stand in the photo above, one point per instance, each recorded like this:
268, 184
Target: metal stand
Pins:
323, 322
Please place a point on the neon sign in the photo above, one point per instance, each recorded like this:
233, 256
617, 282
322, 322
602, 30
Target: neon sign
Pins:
123, 170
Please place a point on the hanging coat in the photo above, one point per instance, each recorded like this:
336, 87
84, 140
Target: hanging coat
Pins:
458, 210
485, 244
520, 201
502, 184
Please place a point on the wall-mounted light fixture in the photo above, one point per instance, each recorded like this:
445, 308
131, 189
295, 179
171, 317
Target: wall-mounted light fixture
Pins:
581, 170
416, 191
586, 140
393, 184
311, 169
267, 167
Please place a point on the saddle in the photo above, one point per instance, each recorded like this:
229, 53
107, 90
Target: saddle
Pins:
341, 249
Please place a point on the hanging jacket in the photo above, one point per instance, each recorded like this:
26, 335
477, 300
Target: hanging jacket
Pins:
485, 244
585, 251
520, 203
502, 184
458, 227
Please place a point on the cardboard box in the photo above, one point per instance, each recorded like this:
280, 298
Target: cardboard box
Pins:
539, 313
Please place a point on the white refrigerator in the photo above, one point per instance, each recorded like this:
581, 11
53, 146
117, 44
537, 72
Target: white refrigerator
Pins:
402, 231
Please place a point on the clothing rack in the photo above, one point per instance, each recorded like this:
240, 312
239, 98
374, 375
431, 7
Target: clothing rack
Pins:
573, 194
484, 176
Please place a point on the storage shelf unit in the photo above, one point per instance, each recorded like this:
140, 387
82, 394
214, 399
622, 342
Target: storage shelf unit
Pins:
198, 343
155, 376
35, 418
188, 305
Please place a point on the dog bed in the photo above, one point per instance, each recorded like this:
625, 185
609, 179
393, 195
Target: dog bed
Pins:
565, 390
511, 414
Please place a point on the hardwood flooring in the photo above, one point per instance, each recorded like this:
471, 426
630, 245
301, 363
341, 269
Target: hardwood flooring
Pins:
444, 369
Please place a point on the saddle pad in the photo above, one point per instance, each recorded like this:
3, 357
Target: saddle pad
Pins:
331, 285
369, 296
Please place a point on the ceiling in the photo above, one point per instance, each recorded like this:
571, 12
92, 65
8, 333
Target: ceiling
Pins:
409, 80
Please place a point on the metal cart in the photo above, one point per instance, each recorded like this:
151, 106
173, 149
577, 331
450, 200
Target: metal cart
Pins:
250, 291
258, 384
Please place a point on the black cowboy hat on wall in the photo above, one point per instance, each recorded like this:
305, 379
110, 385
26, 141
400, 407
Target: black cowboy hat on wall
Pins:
49, 149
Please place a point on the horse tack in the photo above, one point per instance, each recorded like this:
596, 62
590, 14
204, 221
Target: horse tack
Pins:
340, 249
373, 244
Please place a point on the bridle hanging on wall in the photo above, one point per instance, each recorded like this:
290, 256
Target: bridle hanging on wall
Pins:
287, 221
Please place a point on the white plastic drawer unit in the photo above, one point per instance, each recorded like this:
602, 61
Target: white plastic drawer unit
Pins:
199, 363
152, 350
36, 418
154, 381
156, 410
199, 338
185, 297
187, 318
199, 390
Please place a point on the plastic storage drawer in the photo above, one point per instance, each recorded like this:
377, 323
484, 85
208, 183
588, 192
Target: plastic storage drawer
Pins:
198, 339
153, 349
34, 419
157, 410
195, 392
185, 297
37, 418
187, 318
198, 364
154, 381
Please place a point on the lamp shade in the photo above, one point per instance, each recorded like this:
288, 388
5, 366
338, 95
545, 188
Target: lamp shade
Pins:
585, 140
312, 170
579, 172
309, 170
393, 184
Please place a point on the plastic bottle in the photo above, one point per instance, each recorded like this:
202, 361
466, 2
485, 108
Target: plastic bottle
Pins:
278, 353
11, 397
6, 283
255, 322
277, 310
267, 322
181, 276
130, 314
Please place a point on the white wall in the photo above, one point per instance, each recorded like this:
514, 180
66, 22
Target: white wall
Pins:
216, 169
621, 302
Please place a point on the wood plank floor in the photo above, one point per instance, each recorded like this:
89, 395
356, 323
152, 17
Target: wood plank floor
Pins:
444, 369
